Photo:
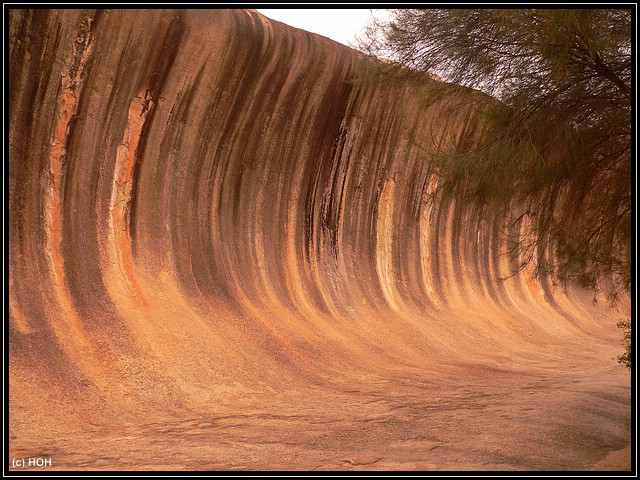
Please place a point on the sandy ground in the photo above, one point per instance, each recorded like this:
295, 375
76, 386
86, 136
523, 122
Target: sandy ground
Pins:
229, 251
479, 419
619, 460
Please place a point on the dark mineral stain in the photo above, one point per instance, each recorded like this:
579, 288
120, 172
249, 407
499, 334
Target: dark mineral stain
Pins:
228, 249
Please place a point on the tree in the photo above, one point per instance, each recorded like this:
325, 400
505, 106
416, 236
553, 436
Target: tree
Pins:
558, 146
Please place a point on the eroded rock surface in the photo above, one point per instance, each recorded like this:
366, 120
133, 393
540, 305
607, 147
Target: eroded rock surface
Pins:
225, 254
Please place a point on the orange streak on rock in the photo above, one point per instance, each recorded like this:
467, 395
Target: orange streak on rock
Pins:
119, 238
384, 239
68, 326
17, 317
302, 293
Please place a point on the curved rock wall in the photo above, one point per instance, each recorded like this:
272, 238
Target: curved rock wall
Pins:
209, 209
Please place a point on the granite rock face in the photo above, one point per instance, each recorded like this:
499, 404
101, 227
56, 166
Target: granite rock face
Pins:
222, 227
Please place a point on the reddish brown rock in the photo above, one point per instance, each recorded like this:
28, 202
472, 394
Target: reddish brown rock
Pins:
225, 254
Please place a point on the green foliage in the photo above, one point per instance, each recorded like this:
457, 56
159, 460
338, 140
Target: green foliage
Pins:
625, 358
557, 146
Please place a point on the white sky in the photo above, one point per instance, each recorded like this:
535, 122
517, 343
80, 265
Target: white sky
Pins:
341, 25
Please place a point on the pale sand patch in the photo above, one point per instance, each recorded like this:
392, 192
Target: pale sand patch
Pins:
618, 460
